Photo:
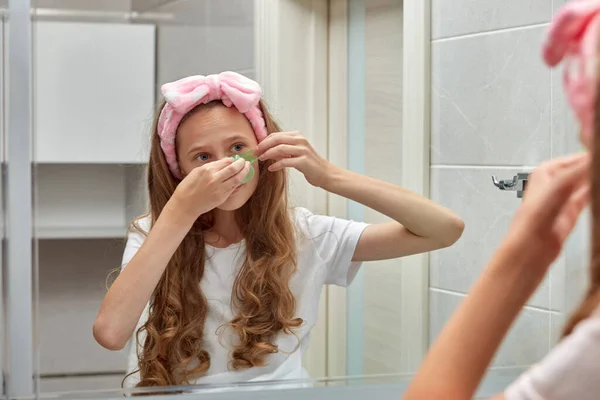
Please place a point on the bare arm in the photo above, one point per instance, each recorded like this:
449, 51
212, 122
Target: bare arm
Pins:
420, 224
459, 358
125, 301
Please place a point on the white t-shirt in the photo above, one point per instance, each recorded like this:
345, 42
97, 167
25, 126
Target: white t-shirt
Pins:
571, 371
325, 247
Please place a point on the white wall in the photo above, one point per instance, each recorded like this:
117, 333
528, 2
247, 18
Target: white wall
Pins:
207, 37
496, 109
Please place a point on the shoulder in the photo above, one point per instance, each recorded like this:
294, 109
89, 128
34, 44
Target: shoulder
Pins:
138, 231
561, 373
307, 223
142, 225
301, 216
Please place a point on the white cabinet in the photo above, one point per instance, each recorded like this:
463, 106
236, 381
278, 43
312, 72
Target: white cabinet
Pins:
93, 103
72, 283
93, 92
93, 107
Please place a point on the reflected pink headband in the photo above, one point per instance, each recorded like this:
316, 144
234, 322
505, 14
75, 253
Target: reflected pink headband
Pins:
573, 36
183, 95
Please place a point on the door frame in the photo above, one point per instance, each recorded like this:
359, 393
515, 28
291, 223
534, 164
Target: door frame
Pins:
305, 75
291, 57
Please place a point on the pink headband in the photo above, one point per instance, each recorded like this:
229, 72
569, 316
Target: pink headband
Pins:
183, 95
574, 35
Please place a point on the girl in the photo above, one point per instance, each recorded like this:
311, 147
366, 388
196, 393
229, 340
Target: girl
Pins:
556, 194
222, 277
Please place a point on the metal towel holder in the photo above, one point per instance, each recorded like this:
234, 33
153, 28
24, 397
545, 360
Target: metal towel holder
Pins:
518, 183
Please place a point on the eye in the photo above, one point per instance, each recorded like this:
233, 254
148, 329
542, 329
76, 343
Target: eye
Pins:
203, 157
237, 147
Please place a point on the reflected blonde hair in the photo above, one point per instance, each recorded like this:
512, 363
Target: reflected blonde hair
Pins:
173, 352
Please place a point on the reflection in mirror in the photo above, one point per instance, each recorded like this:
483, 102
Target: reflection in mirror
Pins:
168, 228
221, 279
215, 282
97, 70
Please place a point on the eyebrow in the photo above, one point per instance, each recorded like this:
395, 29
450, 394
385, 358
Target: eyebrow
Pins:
231, 139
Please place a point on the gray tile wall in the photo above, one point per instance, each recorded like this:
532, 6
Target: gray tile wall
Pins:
496, 109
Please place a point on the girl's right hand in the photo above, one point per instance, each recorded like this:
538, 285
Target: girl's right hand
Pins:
208, 186
556, 193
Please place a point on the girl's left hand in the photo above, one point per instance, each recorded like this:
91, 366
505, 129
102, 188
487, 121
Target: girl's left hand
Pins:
292, 150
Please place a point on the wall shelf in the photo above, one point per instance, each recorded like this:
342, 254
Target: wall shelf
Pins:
87, 200
81, 233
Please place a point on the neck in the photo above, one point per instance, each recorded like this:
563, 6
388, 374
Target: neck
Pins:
225, 231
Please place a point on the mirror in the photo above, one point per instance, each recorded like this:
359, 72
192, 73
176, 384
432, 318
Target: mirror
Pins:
465, 99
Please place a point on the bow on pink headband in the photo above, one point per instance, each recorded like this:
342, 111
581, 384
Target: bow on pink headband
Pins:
574, 35
181, 96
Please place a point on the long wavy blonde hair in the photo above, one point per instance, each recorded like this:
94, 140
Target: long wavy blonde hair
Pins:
172, 352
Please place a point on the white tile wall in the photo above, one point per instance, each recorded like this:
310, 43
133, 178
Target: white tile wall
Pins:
487, 213
491, 100
460, 17
496, 109
527, 340
556, 4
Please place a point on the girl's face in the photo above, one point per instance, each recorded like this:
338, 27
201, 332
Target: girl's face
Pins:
212, 134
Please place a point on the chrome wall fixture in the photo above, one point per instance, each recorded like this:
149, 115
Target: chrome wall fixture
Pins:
518, 183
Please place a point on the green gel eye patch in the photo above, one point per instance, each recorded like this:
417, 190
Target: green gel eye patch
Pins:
249, 156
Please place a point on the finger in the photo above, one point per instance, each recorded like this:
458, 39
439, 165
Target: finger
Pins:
284, 163
237, 179
571, 211
281, 151
563, 185
230, 170
276, 139
566, 161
